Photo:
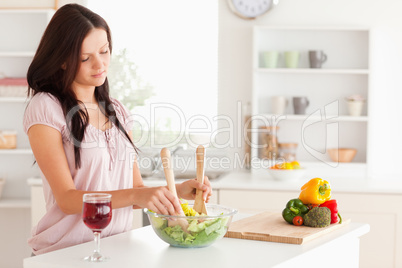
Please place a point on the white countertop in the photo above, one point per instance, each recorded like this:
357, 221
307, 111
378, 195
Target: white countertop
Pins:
142, 248
262, 181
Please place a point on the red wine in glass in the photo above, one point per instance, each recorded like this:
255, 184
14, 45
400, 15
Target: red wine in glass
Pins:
97, 214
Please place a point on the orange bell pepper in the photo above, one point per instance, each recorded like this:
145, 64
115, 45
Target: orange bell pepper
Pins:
316, 191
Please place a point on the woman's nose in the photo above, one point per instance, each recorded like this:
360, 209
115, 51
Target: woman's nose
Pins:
98, 63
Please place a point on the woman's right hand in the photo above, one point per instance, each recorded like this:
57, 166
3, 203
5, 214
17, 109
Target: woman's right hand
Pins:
158, 199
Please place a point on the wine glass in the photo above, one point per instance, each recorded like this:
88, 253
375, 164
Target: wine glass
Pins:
97, 214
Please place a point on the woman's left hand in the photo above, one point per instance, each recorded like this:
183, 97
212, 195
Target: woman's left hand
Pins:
187, 189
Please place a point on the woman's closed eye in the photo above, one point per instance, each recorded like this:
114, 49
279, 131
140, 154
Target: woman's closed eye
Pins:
103, 52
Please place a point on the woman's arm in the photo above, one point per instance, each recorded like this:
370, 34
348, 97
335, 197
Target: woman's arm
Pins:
47, 146
137, 178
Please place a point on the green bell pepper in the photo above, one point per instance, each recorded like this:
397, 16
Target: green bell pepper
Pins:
294, 207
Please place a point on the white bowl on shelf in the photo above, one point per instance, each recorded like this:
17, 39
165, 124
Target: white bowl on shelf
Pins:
287, 174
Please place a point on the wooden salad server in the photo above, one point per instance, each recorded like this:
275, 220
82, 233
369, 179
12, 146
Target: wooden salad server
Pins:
199, 203
167, 168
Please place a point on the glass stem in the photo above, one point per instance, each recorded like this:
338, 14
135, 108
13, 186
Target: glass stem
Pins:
97, 243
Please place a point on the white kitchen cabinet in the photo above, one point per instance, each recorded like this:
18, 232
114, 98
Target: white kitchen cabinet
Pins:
327, 123
15, 228
378, 248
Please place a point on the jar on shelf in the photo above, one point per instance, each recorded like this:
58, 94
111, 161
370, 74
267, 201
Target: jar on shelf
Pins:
246, 110
268, 142
287, 151
2, 182
8, 139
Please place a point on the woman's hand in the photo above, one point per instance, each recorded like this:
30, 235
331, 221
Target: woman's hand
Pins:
187, 189
157, 199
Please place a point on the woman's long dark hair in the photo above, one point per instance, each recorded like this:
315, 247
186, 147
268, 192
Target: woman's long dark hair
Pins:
61, 46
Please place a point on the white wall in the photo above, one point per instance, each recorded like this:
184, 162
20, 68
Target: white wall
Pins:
383, 17
235, 76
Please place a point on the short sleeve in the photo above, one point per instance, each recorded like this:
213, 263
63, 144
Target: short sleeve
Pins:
44, 109
123, 114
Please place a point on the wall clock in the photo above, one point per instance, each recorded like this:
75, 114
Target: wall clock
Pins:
250, 9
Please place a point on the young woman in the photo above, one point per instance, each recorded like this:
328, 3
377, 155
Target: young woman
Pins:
81, 137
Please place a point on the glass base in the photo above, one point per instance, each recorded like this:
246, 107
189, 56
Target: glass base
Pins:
96, 258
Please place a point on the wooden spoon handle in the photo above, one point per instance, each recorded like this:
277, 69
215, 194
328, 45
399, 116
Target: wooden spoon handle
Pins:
199, 204
200, 156
167, 168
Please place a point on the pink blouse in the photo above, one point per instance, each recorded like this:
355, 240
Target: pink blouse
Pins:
107, 160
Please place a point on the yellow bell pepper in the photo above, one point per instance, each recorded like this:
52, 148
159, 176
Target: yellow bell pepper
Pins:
316, 191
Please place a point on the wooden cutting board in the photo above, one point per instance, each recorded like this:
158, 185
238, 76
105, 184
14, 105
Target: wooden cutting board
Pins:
271, 227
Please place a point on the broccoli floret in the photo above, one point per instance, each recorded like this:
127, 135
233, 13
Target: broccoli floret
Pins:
318, 217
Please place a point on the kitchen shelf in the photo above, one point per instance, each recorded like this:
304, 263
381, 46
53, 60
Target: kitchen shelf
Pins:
20, 33
16, 151
17, 54
18, 11
346, 72
342, 118
311, 71
15, 203
261, 165
14, 99
290, 28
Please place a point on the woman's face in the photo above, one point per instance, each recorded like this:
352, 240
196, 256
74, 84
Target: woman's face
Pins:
94, 60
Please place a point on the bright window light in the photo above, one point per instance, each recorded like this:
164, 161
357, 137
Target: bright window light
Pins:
169, 51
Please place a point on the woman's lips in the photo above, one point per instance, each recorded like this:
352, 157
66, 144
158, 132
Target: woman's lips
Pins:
98, 75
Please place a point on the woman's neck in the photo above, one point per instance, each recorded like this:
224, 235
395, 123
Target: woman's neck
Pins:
86, 95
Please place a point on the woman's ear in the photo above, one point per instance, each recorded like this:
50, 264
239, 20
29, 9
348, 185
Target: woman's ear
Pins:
64, 66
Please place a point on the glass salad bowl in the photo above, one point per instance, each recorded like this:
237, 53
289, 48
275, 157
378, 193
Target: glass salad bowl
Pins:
192, 231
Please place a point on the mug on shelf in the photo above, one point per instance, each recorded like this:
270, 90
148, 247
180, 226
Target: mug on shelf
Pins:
292, 59
355, 108
279, 104
270, 59
300, 105
317, 58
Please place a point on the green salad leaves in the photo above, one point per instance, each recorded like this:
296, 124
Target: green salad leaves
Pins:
199, 233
